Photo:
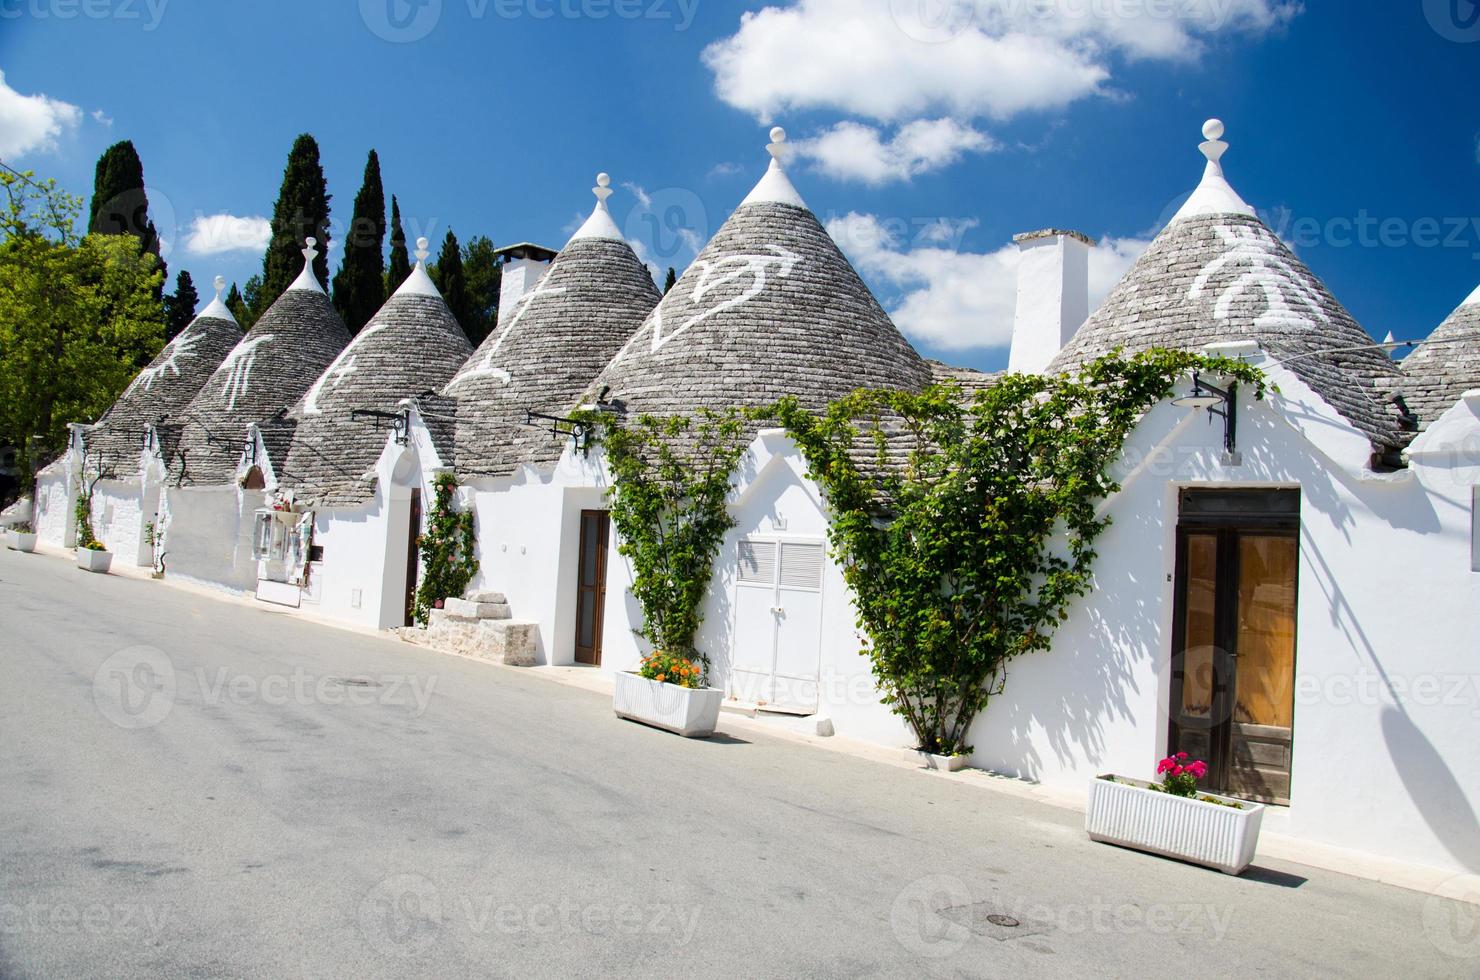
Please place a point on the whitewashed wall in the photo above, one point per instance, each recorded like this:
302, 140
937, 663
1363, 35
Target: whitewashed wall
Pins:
54, 504
118, 520
209, 536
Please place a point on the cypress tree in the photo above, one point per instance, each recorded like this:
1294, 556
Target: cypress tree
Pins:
120, 204
669, 282
238, 307
400, 266
359, 288
179, 309
301, 211
452, 282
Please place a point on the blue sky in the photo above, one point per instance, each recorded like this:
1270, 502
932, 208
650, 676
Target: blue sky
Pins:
924, 140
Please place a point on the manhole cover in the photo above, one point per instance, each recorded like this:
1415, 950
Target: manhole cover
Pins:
1006, 921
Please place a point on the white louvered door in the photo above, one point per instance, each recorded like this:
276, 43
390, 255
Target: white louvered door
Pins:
778, 623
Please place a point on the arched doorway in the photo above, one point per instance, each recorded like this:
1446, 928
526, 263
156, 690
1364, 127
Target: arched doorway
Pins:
402, 548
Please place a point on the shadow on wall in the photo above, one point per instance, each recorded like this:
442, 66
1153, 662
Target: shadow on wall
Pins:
1076, 691
1432, 787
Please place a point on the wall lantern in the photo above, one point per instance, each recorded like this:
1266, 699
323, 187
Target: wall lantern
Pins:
1220, 402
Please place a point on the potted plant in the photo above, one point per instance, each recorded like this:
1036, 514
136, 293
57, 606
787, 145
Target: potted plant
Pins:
668, 692
1173, 819
92, 555
944, 763
20, 536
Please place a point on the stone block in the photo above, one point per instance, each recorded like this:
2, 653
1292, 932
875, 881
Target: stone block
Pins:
468, 609
494, 597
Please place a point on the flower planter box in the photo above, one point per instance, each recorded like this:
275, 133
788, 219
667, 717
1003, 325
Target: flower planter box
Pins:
943, 763
685, 711
94, 561
1127, 814
20, 541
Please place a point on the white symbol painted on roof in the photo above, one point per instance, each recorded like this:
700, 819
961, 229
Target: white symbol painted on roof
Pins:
484, 367
238, 368
181, 348
713, 275
341, 367
1254, 255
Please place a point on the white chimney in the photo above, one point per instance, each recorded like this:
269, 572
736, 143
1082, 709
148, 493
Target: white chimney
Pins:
524, 265
1052, 296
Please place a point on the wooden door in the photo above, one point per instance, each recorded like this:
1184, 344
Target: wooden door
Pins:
1233, 673
413, 556
591, 585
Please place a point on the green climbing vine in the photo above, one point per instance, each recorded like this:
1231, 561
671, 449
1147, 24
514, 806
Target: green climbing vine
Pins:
86, 538
670, 484
965, 525
447, 550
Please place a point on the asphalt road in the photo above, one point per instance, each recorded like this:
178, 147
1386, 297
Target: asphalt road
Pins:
190, 787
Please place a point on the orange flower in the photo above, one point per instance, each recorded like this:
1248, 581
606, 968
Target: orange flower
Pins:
660, 678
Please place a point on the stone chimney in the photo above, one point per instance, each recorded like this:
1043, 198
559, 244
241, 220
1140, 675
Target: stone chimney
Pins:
524, 265
1052, 295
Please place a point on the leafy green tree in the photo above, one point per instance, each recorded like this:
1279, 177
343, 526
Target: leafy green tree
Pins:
78, 316
400, 266
179, 308
301, 211
359, 288
670, 281
120, 204
484, 276
452, 282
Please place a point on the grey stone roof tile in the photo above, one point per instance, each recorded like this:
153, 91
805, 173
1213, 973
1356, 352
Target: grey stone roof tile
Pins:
1226, 277
1444, 366
269, 370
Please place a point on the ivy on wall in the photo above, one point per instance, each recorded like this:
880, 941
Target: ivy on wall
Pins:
447, 550
966, 525
670, 484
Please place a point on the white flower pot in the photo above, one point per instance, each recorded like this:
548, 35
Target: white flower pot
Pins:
944, 763
1124, 812
685, 711
20, 541
94, 561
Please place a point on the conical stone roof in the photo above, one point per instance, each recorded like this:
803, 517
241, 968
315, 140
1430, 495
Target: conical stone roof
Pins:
1216, 274
268, 371
549, 347
769, 308
1446, 365
412, 345
164, 388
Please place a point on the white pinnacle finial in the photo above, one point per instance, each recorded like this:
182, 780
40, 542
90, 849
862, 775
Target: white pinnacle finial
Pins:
1214, 148
421, 250
603, 188
777, 144
309, 252
220, 285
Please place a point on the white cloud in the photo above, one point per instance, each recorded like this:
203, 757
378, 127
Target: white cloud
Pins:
102, 118
726, 169
893, 60
953, 300
32, 123
853, 151
217, 233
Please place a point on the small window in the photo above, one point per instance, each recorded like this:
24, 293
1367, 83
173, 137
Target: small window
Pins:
1475, 529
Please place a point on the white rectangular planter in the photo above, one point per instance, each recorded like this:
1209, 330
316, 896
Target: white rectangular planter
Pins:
20, 541
94, 561
1126, 813
685, 711
942, 763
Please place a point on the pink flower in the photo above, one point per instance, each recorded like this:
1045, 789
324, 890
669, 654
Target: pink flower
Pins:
1181, 756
